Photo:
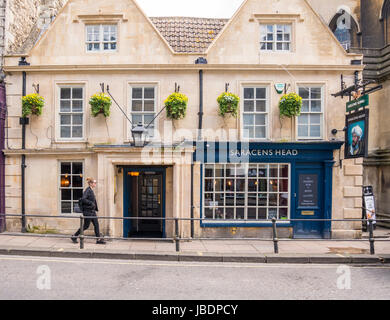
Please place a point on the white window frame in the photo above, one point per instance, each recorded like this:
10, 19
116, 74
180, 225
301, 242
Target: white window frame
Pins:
131, 86
58, 113
275, 41
247, 166
71, 188
101, 37
266, 113
322, 113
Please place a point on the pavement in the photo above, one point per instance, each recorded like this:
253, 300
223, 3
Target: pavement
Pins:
234, 250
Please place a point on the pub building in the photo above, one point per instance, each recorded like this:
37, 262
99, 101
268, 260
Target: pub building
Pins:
235, 174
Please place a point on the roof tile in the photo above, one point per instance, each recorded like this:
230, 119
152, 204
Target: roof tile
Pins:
186, 34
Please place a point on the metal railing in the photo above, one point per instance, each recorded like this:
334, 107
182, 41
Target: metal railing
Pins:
273, 223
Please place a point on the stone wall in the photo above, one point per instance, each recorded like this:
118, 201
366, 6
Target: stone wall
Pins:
19, 17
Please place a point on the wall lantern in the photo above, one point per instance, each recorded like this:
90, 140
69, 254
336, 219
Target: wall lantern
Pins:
65, 182
139, 134
133, 174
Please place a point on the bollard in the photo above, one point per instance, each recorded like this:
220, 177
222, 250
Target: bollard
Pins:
275, 236
81, 232
177, 240
371, 231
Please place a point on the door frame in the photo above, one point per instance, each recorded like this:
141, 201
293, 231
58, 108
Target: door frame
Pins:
127, 199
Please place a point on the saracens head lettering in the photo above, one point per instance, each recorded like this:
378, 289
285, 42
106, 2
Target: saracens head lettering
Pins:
264, 152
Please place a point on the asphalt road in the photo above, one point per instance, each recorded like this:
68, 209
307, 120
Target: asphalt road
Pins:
61, 278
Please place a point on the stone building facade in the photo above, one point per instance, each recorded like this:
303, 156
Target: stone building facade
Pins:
264, 165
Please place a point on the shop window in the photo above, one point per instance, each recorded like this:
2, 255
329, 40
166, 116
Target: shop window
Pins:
101, 37
143, 106
246, 191
255, 113
275, 37
310, 121
71, 185
71, 112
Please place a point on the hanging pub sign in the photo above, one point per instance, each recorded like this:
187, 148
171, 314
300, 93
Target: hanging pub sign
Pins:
361, 102
356, 135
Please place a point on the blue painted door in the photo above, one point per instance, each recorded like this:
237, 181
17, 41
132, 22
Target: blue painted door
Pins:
309, 190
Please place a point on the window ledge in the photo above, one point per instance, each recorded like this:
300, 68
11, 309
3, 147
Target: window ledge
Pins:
105, 18
83, 141
242, 224
276, 17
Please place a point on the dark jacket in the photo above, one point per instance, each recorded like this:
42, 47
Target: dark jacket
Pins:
89, 201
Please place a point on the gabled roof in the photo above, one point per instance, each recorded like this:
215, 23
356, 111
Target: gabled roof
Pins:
189, 35
184, 35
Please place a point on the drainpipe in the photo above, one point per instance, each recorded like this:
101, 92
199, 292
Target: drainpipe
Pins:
192, 199
200, 60
23, 121
200, 105
3, 110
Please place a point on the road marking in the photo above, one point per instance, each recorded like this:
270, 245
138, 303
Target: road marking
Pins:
183, 264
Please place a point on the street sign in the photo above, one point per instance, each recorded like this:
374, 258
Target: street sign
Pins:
363, 101
279, 87
369, 203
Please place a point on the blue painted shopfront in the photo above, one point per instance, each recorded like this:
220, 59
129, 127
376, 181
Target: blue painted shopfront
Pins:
311, 166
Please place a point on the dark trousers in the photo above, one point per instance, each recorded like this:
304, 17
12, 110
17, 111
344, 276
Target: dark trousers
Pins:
87, 222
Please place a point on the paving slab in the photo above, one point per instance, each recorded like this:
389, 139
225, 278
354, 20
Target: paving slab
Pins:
162, 256
247, 258
330, 259
287, 258
201, 257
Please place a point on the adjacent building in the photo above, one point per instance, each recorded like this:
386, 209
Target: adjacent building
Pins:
232, 173
17, 18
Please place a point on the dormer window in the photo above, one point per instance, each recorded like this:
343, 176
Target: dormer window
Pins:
275, 37
101, 37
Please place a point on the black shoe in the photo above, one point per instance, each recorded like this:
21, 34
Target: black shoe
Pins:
74, 239
100, 241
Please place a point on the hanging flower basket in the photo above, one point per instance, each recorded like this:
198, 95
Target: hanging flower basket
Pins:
290, 105
32, 104
100, 104
176, 105
228, 104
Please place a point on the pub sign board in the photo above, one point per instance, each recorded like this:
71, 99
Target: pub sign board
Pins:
356, 135
361, 102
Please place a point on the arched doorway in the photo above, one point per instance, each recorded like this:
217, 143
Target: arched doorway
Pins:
345, 28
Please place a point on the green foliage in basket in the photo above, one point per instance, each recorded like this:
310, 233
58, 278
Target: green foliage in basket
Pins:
32, 104
100, 104
176, 105
290, 105
228, 104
